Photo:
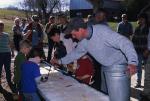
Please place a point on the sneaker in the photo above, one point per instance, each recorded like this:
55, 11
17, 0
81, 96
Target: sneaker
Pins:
138, 86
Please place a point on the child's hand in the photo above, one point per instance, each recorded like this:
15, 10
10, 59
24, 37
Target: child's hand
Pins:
83, 77
79, 77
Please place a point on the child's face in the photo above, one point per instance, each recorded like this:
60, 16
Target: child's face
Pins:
38, 59
56, 38
26, 50
17, 22
141, 21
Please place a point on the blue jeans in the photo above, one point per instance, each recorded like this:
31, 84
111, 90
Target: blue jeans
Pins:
31, 97
117, 82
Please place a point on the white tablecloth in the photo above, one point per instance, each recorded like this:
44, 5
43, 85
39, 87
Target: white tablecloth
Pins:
60, 87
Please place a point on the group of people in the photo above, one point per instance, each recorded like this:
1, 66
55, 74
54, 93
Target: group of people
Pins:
141, 41
120, 54
90, 50
26, 62
28, 42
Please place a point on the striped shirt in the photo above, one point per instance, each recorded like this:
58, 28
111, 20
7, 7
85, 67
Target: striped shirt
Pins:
4, 43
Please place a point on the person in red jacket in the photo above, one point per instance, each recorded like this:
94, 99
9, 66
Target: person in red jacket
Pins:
85, 69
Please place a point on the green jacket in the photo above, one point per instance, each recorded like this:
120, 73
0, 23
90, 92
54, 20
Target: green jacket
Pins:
20, 58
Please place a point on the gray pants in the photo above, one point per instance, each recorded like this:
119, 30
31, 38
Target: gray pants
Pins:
117, 82
147, 78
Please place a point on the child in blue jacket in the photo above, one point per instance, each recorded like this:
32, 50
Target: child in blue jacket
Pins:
30, 76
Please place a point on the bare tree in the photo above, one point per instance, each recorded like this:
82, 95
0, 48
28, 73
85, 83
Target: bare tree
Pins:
48, 7
44, 7
28, 6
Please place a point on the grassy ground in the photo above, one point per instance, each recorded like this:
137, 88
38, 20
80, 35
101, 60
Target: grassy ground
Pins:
7, 16
8, 25
113, 25
10, 14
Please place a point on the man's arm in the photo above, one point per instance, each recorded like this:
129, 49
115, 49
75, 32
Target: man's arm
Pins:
79, 51
11, 44
131, 31
118, 28
149, 40
146, 52
48, 28
26, 35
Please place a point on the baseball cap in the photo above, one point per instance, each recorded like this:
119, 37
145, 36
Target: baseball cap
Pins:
74, 24
124, 15
35, 18
51, 17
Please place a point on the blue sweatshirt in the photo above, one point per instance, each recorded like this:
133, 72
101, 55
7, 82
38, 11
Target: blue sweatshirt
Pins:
106, 46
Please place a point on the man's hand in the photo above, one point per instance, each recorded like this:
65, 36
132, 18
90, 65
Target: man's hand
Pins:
27, 34
131, 69
54, 61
